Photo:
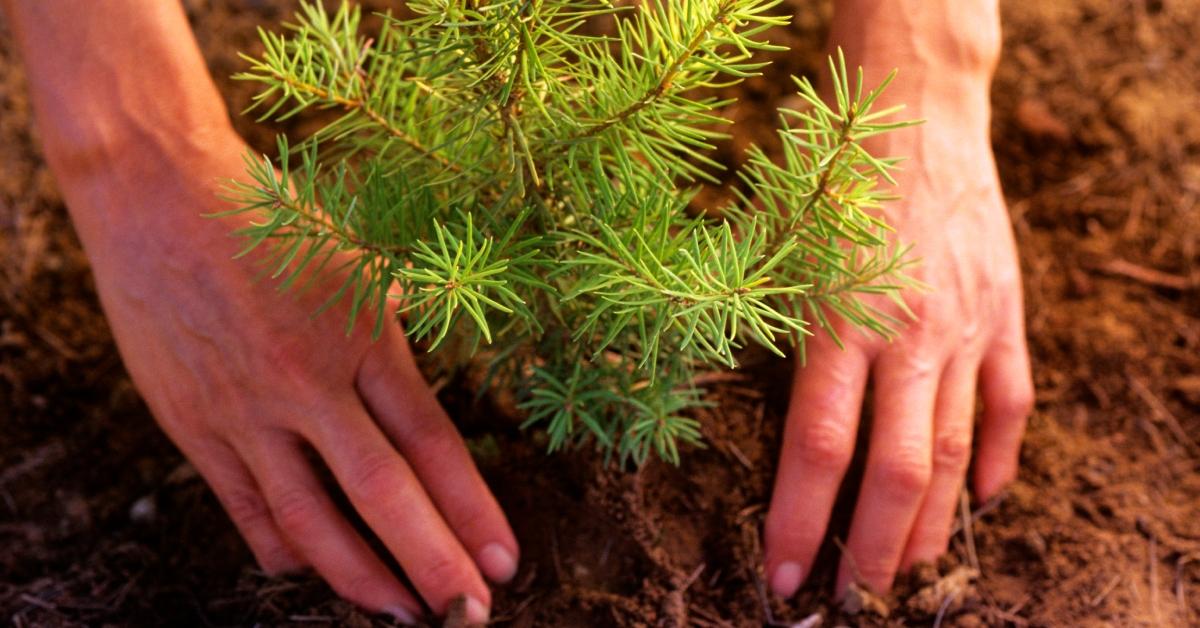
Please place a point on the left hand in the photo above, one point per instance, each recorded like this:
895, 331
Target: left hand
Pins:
970, 333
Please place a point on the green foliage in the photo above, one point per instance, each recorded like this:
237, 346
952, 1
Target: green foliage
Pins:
519, 181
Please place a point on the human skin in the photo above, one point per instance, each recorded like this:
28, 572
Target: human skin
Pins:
243, 379
139, 141
969, 330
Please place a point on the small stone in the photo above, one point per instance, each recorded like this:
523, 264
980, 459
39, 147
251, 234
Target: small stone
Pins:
185, 472
812, 621
144, 510
1092, 479
1035, 543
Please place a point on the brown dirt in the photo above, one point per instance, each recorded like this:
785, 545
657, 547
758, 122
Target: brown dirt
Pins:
1097, 132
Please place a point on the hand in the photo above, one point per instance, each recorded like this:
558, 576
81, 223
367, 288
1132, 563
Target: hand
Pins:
969, 332
245, 381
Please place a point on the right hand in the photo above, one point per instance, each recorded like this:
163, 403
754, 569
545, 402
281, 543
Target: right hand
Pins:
245, 381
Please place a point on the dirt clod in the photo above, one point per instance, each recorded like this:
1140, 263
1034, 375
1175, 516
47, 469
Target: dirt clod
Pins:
947, 594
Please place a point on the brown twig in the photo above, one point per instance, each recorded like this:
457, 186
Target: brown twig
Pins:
556, 560
719, 377
1180, 586
968, 530
741, 457
1016, 620
855, 572
691, 579
1108, 588
1152, 565
980, 512
1161, 411
38, 602
1150, 276
709, 619
516, 611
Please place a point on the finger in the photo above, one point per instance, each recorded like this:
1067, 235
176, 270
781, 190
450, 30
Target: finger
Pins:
953, 420
409, 413
388, 495
899, 466
1007, 389
235, 488
311, 521
818, 443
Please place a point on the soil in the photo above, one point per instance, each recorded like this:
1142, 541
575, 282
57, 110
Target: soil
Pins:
1097, 132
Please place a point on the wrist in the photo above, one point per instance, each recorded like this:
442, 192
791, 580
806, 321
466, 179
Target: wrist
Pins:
149, 200
121, 143
109, 82
112, 119
951, 41
945, 53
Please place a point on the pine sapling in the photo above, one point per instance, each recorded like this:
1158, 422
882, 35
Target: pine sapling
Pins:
523, 186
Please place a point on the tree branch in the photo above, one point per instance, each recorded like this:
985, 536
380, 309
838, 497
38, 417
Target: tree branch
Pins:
360, 105
664, 84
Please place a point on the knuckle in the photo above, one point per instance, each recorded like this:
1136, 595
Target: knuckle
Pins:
469, 517
375, 478
828, 399
918, 366
295, 510
952, 451
246, 507
906, 470
426, 429
933, 311
433, 438
826, 443
443, 569
1006, 282
1023, 400
1017, 404
843, 374
972, 334
941, 325
372, 370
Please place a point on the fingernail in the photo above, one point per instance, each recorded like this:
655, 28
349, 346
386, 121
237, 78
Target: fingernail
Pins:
402, 615
477, 613
786, 579
497, 563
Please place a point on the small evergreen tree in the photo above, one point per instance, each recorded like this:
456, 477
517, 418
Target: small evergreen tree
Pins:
523, 185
